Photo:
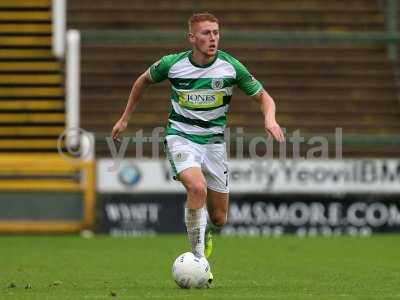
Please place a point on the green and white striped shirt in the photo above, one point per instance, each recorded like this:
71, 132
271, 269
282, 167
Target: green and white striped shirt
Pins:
201, 95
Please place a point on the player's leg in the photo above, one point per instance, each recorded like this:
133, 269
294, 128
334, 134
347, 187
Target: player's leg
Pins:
216, 173
217, 206
196, 187
195, 214
184, 159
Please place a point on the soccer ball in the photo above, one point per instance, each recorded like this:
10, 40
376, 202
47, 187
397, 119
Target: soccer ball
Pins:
190, 271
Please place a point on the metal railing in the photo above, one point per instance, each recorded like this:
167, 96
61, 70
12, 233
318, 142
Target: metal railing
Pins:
72, 84
279, 37
58, 27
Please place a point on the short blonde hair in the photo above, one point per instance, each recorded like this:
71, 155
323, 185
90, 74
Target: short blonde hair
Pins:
201, 17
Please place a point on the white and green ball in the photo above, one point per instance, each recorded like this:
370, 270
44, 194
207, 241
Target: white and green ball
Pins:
190, 271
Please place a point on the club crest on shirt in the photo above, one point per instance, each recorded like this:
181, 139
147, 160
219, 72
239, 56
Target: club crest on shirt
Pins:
217, 83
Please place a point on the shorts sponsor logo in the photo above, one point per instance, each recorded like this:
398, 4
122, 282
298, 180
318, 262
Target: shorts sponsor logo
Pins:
180, 157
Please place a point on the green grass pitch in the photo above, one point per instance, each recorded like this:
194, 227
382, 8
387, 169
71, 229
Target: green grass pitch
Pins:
71, 267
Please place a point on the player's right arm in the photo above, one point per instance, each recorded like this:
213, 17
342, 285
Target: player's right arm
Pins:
137, 91
156, 73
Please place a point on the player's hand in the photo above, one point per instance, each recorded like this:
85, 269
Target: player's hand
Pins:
119, 128
273, 128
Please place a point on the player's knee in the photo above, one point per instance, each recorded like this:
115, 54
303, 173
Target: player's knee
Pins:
198, 192
218, 219
198, 189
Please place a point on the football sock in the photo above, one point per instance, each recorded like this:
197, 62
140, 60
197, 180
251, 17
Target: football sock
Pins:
196, 221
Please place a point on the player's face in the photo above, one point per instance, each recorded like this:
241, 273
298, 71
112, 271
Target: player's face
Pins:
205, 37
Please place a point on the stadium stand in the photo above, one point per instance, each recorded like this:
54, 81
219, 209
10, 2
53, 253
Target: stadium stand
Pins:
317, 86
234, 14
31, 79
32, 118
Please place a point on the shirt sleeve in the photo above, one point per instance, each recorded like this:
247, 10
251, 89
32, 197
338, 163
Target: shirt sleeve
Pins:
246, 82
159, 70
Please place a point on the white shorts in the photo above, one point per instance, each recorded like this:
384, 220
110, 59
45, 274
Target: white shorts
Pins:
210, 158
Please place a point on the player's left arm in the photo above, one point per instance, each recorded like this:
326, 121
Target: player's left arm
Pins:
252, 87
268, 108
